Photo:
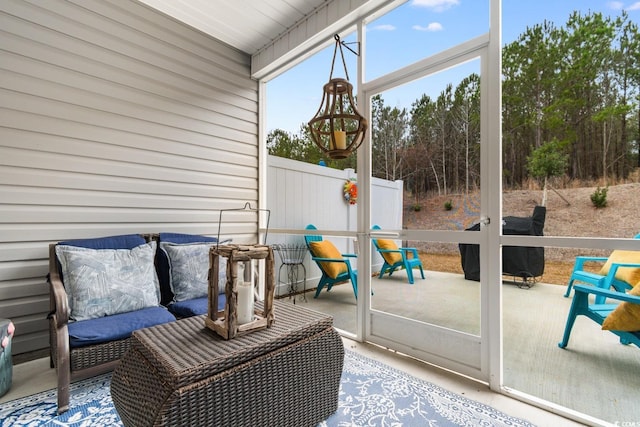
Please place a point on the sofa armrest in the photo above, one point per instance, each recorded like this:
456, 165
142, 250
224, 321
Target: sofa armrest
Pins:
58, 302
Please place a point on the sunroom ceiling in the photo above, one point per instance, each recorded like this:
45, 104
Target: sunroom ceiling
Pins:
271, 31
247, 25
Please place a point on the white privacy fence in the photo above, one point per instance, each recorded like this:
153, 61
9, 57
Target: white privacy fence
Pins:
302, 193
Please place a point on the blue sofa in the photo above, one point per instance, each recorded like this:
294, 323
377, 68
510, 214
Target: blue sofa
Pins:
103, 289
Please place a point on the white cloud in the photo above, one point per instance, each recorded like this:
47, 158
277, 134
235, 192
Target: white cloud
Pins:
433, 26
615, 5
634, 6
436, 5
384, 27
618, 5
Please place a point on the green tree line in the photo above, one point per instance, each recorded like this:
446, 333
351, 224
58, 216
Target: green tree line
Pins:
576, 87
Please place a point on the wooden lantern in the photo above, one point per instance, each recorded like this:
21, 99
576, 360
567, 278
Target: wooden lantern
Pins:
337, 128
227, 323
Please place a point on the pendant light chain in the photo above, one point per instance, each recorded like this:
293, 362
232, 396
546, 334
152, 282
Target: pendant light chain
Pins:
333, 61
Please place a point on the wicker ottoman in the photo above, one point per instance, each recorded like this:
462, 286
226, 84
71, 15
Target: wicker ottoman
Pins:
183, 374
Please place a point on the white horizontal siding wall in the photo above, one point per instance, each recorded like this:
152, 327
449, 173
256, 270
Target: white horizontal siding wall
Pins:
114, 119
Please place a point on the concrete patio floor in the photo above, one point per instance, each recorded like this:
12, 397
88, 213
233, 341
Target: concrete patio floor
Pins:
595, 374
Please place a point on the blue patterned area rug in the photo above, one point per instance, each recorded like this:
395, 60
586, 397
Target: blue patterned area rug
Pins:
371, 394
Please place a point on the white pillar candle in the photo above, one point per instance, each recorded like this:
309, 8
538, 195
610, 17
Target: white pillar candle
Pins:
341, 139
245, 302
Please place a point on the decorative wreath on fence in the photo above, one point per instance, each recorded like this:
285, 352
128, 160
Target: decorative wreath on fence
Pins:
350, 191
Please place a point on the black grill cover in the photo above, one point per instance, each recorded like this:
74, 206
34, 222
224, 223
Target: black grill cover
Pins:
516, 260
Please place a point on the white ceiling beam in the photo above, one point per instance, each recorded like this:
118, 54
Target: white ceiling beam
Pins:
314, 32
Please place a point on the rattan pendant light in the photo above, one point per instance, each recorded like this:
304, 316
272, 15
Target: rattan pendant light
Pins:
338, 128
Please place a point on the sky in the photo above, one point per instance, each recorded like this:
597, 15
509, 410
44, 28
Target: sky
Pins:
412, 32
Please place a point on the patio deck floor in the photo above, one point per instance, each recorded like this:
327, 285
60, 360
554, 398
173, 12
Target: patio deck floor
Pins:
595, 374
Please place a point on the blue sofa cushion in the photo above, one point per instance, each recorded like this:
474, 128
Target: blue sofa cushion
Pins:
125, 241
162, 261
115, 327
195, 307
186, 238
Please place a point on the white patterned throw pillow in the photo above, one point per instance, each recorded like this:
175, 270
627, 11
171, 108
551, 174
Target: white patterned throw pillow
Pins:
101, 282
189, 269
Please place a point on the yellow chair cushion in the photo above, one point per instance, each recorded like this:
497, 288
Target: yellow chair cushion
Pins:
326, 249
630, 275
626, 317
390, 257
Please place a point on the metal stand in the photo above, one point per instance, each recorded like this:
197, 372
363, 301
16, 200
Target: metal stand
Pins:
527, 280
292, 257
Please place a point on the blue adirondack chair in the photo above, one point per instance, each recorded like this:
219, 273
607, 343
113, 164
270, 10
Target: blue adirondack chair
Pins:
598, 311
605, 282
409, 257
326, 279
